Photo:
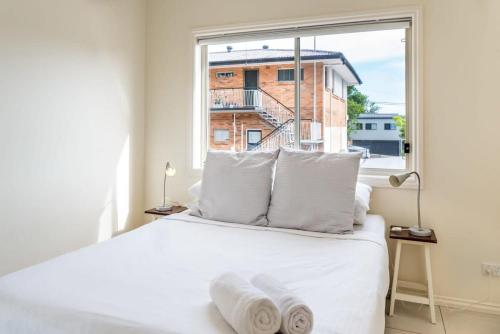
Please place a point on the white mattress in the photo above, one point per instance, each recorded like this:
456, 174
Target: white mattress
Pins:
155, 279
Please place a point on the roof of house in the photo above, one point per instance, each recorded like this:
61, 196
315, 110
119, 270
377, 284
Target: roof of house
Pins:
377, 116
258, 56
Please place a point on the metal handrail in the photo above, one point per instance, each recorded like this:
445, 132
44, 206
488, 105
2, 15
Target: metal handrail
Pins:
269, 108
279, 130
291, 120
275, 99
283, 136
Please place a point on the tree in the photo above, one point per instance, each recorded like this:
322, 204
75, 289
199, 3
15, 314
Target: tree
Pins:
401, 124
372, 107
358, 103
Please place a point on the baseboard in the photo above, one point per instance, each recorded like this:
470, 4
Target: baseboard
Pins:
471, 305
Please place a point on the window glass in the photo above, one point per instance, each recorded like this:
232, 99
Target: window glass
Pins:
253, 138
252, 101
337, 84
285, 75
366, 72
352, 95
289, 74
221, 135
221, 75
389, 126
328, 78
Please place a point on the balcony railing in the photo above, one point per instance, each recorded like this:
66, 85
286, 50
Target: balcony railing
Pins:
258, 100
271, 110
235, 99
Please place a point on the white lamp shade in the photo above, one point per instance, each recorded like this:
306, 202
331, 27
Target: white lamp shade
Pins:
169, 170
399, 179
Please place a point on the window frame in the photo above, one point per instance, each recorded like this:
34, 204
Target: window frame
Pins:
198, 122
328, 78
335, 78
252, 130
392, 127
224, 74
292, 70
222, 141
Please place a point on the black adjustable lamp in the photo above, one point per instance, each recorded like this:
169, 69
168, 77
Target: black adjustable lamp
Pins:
396, 181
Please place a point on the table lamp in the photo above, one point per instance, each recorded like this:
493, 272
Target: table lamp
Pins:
396, 181
169, 171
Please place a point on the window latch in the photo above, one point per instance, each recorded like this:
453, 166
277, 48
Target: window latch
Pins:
407, 148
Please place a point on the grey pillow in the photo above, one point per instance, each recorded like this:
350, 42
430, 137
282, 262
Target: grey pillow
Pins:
314, 191
236, 187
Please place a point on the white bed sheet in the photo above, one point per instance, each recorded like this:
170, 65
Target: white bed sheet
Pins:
155, 279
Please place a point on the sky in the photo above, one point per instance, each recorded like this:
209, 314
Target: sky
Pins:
377, 56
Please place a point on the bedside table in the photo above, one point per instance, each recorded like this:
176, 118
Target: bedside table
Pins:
427, 298
174, 209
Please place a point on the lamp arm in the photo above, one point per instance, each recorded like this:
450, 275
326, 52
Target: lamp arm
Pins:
418, 199
164, 183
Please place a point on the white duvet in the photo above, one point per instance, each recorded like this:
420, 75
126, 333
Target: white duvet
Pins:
156, 278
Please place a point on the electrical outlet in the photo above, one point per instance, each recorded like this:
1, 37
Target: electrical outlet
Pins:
490, 269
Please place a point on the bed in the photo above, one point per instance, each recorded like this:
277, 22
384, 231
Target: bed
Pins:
155, 279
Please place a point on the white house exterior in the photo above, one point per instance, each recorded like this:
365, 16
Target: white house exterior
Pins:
379, 133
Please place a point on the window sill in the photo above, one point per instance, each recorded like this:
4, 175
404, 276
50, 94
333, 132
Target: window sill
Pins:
382, 181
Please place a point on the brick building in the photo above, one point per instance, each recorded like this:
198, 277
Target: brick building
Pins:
252, 99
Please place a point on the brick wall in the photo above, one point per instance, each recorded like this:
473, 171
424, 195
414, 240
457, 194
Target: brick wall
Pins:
234, 82
335, 107
244, 121
283, 91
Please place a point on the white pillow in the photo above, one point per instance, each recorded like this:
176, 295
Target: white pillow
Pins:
236, 187
195, 190
362, 202
314, 191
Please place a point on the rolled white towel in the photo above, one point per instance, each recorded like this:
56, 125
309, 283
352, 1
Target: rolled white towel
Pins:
297, 317
247, 309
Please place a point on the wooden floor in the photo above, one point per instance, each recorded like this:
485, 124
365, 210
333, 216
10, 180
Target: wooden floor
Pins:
411, 318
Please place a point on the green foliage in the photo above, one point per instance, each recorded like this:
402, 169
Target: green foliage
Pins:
401, 124
372, 107
357, 103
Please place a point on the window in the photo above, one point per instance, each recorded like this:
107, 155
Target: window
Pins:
328, 78
221, 135
221, 75
289, 74
337, 84
253, 138
371, 65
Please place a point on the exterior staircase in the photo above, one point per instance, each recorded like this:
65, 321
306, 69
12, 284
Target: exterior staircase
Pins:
269, 118
282, 136
271, 110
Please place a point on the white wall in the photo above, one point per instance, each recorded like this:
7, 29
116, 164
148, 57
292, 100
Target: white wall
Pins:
460, 199
71, 124
379, 134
